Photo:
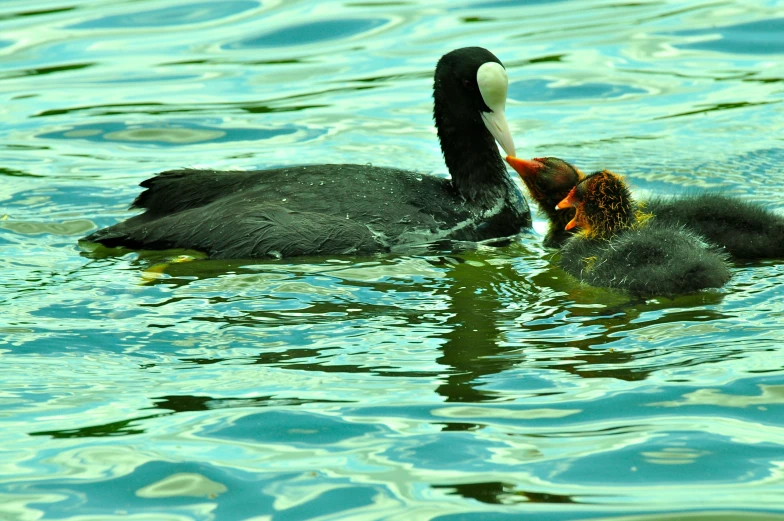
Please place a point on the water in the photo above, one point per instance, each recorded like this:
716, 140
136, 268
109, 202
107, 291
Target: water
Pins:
476, 386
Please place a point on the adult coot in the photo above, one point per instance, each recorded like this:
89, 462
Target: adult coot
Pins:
614, 249
741, 228
349, 209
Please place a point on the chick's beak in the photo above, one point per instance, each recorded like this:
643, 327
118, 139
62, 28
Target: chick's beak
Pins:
524, 167
571, 224
570, 201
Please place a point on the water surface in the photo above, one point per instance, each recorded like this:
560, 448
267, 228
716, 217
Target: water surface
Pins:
484, 385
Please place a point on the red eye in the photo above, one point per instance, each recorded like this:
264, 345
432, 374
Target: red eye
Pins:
468, 84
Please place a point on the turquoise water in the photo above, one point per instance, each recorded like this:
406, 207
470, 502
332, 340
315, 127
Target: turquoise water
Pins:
478, 386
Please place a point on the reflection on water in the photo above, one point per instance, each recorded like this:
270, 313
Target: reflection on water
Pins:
544, 91
309, 33
477, 385
760, 37
169, 16
173, 133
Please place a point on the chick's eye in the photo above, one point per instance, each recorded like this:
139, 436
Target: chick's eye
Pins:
468, 84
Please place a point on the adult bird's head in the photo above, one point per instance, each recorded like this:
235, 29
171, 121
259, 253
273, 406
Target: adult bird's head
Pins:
469, 92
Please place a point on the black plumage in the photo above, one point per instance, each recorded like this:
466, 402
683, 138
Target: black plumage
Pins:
744, 229
654, 259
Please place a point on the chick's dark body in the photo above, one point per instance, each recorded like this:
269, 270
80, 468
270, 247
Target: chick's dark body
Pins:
743, 229
655, 259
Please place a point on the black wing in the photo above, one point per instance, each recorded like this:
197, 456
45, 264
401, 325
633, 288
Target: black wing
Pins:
249, 230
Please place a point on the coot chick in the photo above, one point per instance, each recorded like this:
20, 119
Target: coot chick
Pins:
615, 249
741, 228
549, 180
349, 209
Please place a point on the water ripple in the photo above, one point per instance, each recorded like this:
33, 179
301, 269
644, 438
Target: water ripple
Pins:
309, 33
195, 13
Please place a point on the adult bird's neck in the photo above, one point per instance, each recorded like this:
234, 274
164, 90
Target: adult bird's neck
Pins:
471, 155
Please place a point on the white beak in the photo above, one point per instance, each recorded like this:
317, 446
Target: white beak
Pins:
493, 84
496, 123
